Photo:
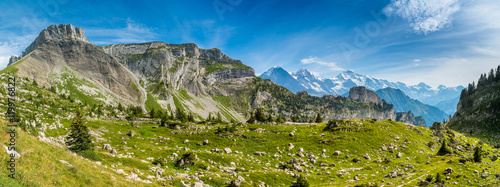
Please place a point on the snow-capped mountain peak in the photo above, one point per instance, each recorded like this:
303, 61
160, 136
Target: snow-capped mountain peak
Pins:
304, 80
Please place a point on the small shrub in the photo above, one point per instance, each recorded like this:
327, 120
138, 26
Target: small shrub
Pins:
439, 179
301, 182
160, 161
90, 154
367, 185
429, 178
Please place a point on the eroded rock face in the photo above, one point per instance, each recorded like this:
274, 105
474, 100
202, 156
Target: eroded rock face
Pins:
408, 117
364, 95
57, 33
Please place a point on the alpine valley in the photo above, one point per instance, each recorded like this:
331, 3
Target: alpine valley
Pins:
158, 114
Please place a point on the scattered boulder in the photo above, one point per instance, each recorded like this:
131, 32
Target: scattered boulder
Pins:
290, 146
187, 159
258, 153
186, 141
337, 153
131, 133
113, 151
367, 157
205, 142
291, 134
227, 150
448, 171
259, 130
399, 155
124, 143
106, 147
494, 158
485, 175
174, 155
237, 182
424, 183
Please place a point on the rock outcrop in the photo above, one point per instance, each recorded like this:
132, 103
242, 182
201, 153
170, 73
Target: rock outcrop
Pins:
408, 117
364, 95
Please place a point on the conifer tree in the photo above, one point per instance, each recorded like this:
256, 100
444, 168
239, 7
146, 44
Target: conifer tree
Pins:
279, 119
219, 117
79, 138
444, 148
209, 118
478, 154
318, 118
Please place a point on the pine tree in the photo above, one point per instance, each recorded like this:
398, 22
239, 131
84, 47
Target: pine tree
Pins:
491, 76
478, 154
251, 120
152, 113
209, 118
444, 148
294, 119
279, 119
270, 118
79, 138
301, 182
219, 118
120, 107
259, 115
318, 118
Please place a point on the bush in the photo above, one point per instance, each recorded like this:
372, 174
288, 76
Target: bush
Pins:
301, 182
429, 178
439, 179
90, 154
160, 161
367, 185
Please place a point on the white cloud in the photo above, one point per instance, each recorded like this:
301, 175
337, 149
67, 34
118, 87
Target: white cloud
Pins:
441, 71
315, 60
134, 32
425, 16
417, 60
13, 47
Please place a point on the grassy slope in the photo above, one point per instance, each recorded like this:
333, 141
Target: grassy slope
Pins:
40, 165
254, 168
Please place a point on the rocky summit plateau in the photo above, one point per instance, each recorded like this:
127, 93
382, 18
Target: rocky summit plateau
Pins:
159, 114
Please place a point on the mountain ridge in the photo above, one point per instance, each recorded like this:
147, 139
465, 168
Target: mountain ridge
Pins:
340, 84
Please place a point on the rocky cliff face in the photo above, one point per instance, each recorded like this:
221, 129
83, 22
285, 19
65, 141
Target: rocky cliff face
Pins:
408, 117
364, 95
478, 111
64, 48
170, 67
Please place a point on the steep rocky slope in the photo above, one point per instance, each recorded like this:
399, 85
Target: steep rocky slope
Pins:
478, 111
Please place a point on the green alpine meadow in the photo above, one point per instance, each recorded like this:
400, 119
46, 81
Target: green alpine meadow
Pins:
195, 94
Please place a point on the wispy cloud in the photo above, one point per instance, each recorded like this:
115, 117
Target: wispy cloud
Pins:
131, 32
315, 60
13, 47
425, 16
206, 33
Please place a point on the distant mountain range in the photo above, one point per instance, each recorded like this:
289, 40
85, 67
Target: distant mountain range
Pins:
403, 103
444, 98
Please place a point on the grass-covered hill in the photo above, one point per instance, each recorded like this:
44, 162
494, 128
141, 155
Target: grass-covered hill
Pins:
341, 153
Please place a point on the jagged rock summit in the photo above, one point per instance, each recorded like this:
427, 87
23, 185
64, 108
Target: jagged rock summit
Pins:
365, 95
53, 32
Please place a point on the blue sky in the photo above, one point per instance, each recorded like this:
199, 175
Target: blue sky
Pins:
449, 42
